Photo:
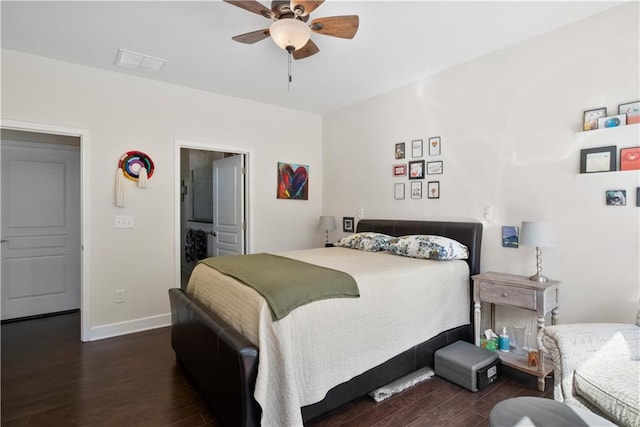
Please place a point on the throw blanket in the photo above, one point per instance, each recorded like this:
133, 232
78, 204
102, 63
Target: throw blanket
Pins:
284, 282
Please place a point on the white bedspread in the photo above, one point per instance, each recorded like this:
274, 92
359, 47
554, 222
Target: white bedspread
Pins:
403, 302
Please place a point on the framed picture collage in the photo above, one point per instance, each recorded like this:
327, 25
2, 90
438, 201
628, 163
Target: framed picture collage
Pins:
420, 164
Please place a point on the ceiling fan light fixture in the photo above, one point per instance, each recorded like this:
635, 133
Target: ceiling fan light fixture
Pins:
289, 33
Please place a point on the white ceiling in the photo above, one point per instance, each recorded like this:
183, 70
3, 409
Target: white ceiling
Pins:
398, 42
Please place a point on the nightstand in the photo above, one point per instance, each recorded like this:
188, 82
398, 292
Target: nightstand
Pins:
517, 291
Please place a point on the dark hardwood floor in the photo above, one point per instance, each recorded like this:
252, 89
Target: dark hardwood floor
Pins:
50, 378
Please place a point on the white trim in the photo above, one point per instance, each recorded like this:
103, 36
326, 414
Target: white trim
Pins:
130, 326
248, 153
84, 135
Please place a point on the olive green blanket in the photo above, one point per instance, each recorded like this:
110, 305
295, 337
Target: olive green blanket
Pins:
284, 282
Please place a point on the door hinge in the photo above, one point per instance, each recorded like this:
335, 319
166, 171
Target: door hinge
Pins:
243, 170
244, 226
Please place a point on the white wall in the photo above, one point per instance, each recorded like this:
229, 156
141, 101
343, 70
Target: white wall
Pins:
128, 113
508, 124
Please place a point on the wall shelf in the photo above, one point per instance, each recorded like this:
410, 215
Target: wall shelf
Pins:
614, 130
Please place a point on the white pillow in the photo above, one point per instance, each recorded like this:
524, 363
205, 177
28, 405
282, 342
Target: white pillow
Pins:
429, 247
366, 241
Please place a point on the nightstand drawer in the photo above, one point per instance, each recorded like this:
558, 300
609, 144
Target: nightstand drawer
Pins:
509, 295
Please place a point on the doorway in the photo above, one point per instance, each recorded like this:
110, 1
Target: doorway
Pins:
57, 134
41, 228
213, 195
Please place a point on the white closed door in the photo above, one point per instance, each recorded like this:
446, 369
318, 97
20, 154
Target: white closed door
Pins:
40, 228
228, 206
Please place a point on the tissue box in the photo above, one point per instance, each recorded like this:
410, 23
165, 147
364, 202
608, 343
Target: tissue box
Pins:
471, 367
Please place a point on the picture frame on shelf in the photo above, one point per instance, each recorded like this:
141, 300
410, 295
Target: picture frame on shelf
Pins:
398, 191
629, 158
590, 118
612, 121
416, 148
510, 236
616, 197
416, 190
600, 159
347, 224
400, 169
400, 153
434, 146
435, 168
631, 110
416, 169
433, 189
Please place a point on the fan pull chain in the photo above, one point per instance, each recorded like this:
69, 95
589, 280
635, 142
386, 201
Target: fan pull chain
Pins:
289, 70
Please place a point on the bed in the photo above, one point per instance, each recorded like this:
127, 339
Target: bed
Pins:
222, 358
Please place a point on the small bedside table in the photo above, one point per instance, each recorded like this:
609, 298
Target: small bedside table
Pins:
517, 291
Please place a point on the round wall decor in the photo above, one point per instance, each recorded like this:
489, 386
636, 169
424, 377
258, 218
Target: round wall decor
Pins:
132, 161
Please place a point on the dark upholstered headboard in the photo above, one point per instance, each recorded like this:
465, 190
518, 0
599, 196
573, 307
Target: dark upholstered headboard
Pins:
467, 233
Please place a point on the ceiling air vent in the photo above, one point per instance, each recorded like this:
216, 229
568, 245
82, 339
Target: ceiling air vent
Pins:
139, 61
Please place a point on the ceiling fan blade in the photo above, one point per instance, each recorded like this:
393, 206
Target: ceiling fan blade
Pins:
252, 6
252, 37
307, 6
345, 26
307, 50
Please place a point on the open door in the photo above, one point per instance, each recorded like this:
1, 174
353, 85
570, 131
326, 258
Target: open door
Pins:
228, 206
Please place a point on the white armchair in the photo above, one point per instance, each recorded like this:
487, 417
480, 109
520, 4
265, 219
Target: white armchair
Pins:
597, 366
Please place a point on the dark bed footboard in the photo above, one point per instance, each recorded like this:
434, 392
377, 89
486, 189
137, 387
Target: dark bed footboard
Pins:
221, 361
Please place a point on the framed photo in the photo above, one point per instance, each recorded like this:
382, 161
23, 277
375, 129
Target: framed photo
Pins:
398, 191
416, 169
400, 170
416, 190
612, 122
434, 146
590, 118
347, 224
400, 150
416, 148
434, 168
509, 236
433, 189
631, 110
601, 159
629, 158
638, 197
616, 197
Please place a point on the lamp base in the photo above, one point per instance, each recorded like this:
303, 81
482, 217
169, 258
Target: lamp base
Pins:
538, 278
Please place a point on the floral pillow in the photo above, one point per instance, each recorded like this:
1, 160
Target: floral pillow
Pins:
367, 241
429, 247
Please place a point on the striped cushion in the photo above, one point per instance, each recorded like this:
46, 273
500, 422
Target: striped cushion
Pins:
612, 388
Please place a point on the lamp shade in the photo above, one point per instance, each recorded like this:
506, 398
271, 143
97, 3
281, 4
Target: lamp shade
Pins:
290, 32
537, 233
327, 223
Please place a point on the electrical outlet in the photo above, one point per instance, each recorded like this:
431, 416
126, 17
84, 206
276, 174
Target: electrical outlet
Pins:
118, 296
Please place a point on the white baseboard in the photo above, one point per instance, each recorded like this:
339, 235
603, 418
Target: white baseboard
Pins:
129, 327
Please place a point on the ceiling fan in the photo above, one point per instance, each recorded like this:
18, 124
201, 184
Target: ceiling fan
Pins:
290, 29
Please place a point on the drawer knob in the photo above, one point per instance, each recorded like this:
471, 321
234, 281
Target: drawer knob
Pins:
505, 294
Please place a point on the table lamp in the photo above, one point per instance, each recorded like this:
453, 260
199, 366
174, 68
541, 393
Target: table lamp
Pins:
540, 235
327, 223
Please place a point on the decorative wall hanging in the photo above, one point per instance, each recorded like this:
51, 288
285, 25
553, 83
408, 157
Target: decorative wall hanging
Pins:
400, 150
293, 181
136, 166
616, 197
434, 146
510, 235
